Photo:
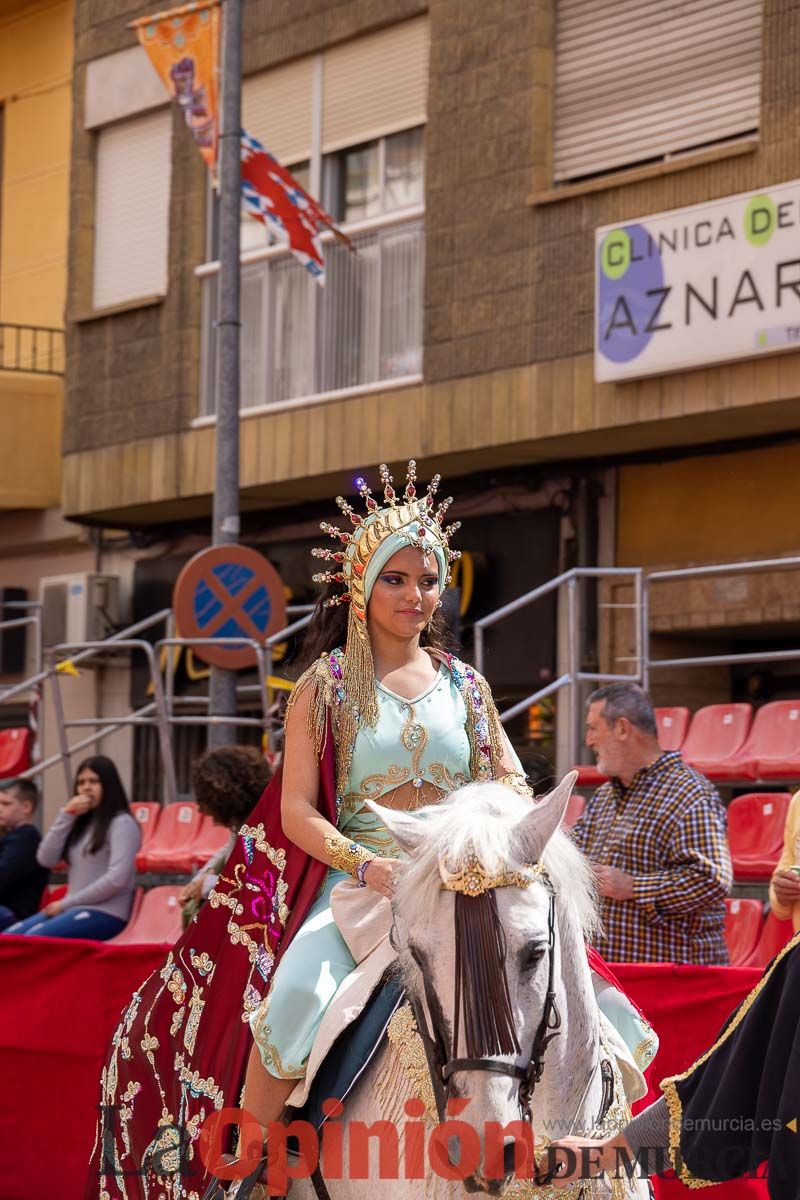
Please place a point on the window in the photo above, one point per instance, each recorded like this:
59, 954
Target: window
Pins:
638, 82
382, 176
131, 218
352, 116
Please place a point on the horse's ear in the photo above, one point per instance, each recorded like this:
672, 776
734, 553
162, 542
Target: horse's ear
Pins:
405, 827
545, 816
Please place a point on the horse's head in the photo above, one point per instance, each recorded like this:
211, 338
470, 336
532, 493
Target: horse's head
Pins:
488, 889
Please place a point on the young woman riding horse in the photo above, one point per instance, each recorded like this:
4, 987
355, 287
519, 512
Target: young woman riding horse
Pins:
383, 713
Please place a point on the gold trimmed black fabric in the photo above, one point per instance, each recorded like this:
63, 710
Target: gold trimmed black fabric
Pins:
737, 1107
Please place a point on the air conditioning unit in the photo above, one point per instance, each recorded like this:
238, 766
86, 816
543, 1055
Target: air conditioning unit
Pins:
79, 608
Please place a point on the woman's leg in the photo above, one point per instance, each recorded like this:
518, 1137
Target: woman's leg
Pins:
74, 923
27, 924
286, 1022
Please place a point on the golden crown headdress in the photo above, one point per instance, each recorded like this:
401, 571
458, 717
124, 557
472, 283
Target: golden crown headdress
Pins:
398, 515
409, 519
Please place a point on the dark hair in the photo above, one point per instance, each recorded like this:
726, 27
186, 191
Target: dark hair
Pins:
112, 801
626, 700
26, 789
328, 629
228, 783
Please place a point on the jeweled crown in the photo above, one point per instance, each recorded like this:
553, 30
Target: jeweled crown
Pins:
397, 514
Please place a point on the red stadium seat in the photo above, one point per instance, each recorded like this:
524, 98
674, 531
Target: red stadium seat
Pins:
156, 921
146, 813
177, 828
774, 936
715, 740
575, 810
15, 752
775, 740
743, 922
209, 841
755, 833
673, 725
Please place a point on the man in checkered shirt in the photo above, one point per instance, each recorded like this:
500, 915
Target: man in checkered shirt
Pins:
656, 836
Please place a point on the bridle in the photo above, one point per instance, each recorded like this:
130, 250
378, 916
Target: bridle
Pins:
443, 1060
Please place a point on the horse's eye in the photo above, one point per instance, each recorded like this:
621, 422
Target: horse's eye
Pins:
532, 955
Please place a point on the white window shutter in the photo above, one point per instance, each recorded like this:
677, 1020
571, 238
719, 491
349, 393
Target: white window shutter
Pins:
277, 109
375, 85
132, 188
638, 80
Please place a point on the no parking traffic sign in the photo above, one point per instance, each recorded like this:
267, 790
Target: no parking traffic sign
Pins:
229, 591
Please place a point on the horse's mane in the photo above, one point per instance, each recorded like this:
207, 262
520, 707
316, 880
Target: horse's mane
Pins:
481, 819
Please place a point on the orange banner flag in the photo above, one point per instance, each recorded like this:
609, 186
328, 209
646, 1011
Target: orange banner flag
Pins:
183, 46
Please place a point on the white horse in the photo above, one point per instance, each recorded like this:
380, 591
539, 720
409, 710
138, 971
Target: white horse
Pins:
543, 919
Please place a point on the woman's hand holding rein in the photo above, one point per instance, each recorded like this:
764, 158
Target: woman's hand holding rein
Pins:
378, 874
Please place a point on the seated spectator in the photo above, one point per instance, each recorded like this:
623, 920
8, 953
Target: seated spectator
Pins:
227, 784
98, 836
656, 833
784, 888
22, 879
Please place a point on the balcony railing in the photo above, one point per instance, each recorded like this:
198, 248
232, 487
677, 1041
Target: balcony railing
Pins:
299, 339
36, 349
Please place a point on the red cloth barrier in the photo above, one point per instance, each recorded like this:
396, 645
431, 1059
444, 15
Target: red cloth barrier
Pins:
61, 1000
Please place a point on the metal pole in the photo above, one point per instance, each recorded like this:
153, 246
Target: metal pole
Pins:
222, 686
573, 635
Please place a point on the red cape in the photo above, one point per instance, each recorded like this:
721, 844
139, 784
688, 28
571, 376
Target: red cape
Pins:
181, 1048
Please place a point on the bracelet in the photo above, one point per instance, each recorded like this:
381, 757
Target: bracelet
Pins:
518, 783
346, 855
361, 871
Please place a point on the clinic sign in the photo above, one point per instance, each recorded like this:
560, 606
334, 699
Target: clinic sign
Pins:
699, 285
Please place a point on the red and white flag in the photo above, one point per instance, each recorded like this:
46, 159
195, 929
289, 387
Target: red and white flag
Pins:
272, 195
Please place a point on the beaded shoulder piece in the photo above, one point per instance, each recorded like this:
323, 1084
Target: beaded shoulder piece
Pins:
327, 697
483, 722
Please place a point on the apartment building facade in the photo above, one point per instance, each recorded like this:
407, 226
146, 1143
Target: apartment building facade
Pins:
472, 152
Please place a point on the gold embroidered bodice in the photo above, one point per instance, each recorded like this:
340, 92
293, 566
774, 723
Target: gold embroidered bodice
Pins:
418, 750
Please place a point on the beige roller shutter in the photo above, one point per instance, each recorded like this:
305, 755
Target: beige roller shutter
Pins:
640, 79
131, 217
375, 85
277, 109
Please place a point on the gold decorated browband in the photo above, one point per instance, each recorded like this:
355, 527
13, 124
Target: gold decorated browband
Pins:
474, 879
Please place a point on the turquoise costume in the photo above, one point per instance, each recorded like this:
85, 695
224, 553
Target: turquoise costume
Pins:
419, 741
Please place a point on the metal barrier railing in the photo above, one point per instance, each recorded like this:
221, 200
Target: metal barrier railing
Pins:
34, 349
161, 711
573, 677
650, 664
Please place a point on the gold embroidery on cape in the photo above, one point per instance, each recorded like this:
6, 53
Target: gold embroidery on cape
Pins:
196, 1084
177, 1021
259, 951
202, 963
196, 1006
177, 986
